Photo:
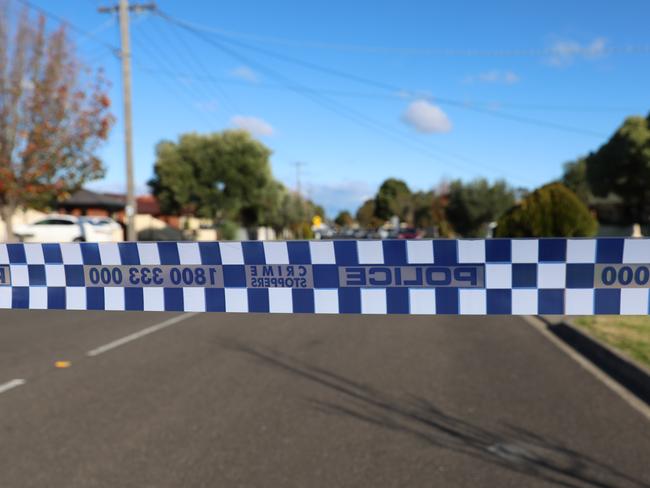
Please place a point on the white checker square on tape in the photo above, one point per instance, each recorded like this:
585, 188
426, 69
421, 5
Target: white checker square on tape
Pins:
236, 300
579, 301
153, 299
551, 275
280, 300
636, 251
19, 275
276, 252
4, 254
34, 253
524, 302
71, 253
422, 301
37, 297
6, 297
189, 253
634, 301
55, 275
326, 301
109, 253
472, 302
524, 250
114, 298
370, 252
194, 299
471, 251
419, 252
322, 252
581, 250
498, 275
231, 253
373, 300
148, 253
75, 298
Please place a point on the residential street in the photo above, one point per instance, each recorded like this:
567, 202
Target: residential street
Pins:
307, 401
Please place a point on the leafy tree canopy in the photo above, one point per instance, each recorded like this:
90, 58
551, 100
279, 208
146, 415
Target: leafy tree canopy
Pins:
344, 219
393, 198
550, 211
622, 166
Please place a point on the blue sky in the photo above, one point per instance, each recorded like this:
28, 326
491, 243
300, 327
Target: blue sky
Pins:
361, 91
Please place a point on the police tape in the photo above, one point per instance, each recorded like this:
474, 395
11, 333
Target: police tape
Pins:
465, 276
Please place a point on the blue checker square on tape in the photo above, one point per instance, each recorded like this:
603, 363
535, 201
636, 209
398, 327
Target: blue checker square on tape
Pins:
580, 275
298, 252
607, 301
168, 252
326, 275
552, 250
56, 298
349, 300
397, 300
609, 250
95, 299
346, 252
74, 275
210, 253
215, 300
16, 253
52, 254
36, 274
394, 252
129, 253
302, 300
253, 252
447, 301
524, 275
90, 253
173, 299
234, 275
20, 297
134, 299
499, 301
550, 302
445, 252
498, 251
258, 300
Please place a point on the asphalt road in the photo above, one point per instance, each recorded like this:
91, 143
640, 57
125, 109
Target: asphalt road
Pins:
304, 401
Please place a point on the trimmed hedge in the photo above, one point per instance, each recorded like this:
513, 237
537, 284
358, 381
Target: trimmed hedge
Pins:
550, 211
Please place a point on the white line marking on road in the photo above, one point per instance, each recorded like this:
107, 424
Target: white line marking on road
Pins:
11, 384
137, 335
613, 385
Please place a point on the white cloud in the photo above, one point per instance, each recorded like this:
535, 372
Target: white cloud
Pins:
254, 125
425, 117
565, 52
494, 76
245, 73
344, 195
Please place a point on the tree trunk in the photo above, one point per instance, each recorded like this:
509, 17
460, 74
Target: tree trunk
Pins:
7, 213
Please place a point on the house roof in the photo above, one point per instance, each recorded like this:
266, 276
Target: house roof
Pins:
90, 199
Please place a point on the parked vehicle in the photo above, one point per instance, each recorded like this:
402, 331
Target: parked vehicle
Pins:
67, 228
409, 233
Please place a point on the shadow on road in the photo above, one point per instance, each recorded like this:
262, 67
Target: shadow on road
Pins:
510, 447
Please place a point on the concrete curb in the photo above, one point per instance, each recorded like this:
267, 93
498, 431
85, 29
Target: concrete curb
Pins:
628, 373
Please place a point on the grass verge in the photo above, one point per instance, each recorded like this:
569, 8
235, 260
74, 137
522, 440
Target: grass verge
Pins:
629, 335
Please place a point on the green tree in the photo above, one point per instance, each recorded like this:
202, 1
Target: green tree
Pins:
550, 211
54, 114
344, 219
575, 179
366, 214
224, 173
622, 166
472, 206
394, 198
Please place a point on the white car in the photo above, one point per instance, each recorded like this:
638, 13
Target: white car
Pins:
67, 228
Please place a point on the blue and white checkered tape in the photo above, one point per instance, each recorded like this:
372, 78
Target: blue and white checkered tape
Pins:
466, 276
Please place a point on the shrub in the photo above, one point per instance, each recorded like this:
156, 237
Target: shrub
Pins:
550, 211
